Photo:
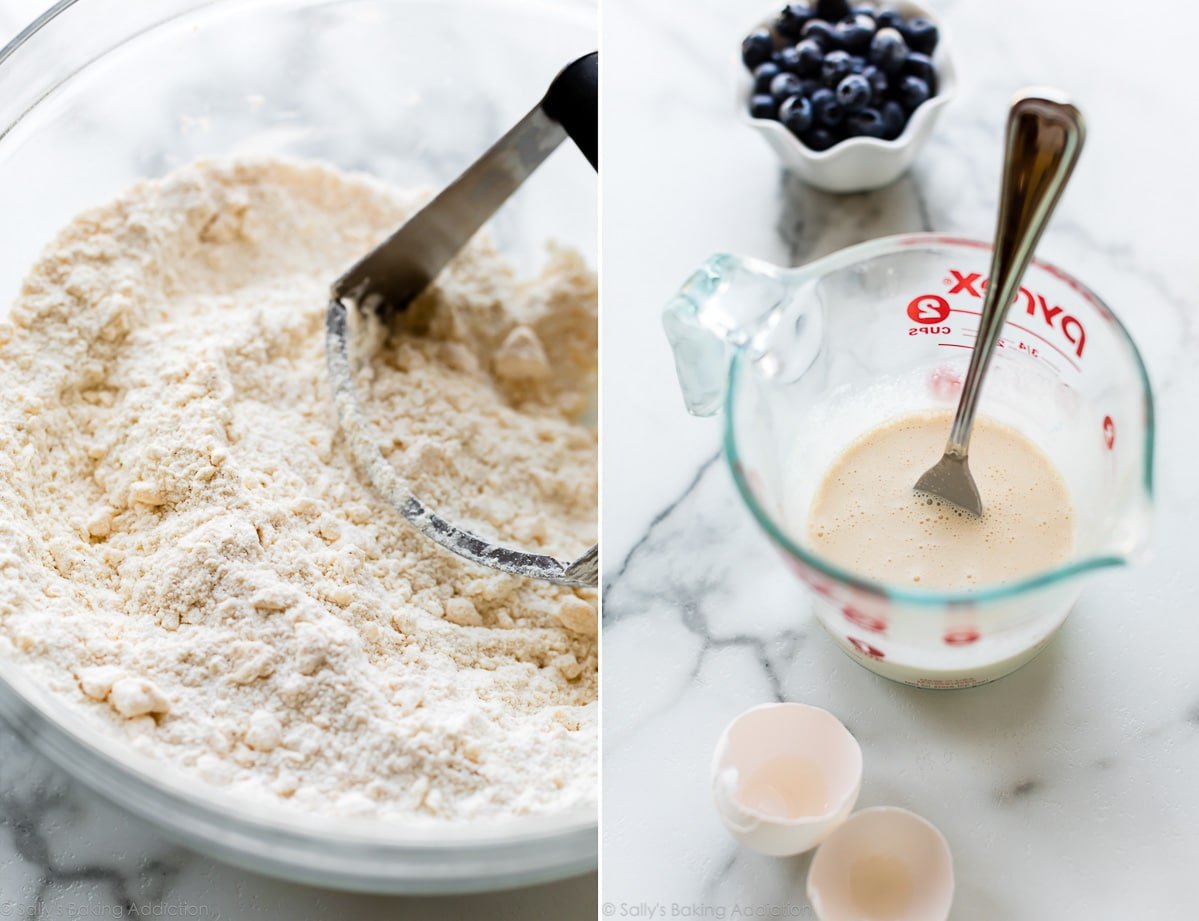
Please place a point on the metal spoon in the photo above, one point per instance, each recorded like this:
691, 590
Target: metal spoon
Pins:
1044, 138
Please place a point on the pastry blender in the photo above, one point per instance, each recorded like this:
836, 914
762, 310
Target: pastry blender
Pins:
388, 278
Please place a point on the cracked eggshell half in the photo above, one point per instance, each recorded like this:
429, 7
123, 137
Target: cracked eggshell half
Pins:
784, 776
882, 863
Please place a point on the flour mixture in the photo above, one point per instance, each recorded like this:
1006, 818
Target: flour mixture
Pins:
867, 517
188, 553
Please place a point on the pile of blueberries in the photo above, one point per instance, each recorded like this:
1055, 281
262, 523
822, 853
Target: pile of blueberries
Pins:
830, 71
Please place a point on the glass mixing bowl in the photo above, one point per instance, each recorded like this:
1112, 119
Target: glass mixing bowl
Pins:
99, 93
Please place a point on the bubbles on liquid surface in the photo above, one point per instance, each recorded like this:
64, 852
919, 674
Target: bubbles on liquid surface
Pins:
867, 517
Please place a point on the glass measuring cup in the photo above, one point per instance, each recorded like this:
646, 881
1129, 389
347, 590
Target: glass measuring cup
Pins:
805, 360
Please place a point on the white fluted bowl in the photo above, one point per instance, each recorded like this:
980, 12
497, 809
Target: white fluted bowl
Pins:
857, 164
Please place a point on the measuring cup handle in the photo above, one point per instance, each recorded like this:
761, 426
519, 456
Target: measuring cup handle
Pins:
1044, 138
573, 102
724, 307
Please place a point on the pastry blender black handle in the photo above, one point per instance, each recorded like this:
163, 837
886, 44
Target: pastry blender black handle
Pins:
573, 102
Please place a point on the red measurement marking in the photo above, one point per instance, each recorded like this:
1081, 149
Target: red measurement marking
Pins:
928, 309
945, 383
1079, 288
863, 620
961, 637
819, 586
1034, 334
964, 283
865, 648
925, 239
960, 345
1109, 432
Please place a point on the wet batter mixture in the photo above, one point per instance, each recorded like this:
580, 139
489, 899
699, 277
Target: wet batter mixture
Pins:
867, 518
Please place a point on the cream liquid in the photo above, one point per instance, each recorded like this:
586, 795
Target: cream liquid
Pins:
867, 518
785, 787
880, 887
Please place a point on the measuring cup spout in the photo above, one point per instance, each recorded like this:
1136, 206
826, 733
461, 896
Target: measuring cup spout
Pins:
730, 304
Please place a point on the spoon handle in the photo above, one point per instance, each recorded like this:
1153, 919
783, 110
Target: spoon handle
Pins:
1044, 137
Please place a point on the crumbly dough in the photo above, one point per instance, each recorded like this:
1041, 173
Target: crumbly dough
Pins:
188, 553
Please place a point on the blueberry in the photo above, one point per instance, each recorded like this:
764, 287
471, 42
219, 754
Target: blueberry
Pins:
889, 19
857, 64
825, 108
894, 119
819, 139
921, 35
763, 74
878, 84
796, 114
912, 92
757, 48
835, 67
810, 85
888, 51
787, 59
820, 31
921, 65
791, 20
865, 123
832, 10
811, 56
855, 33
763, 105
863, 9
854, 92
785, 85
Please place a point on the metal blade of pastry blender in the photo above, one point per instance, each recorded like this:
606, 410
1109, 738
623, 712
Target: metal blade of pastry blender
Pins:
1044, 138
396, 271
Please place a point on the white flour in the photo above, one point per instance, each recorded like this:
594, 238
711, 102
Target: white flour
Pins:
188, 553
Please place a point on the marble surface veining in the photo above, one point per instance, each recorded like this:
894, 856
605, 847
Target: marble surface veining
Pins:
66, 853
1066, 789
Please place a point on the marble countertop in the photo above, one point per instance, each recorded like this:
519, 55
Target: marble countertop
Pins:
66, 853
1066, 790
